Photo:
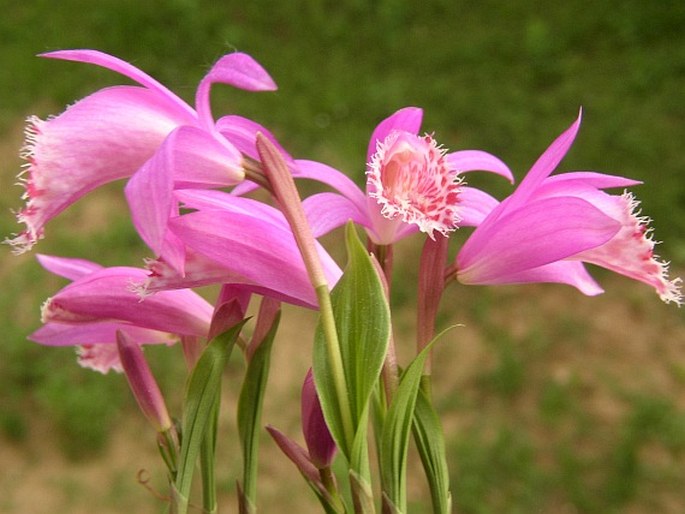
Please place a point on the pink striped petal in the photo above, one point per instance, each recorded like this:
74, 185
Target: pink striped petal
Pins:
257, 249
242, 133
561, 272
128, 70
476, 160
328, 211
407, 119
474, 206
104, 137
200, 159
540, 233
331, 177
237, 70
546, 163
65, 334
67, 267
107, 295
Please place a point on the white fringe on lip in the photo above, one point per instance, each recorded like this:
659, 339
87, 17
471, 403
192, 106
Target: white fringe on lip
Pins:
24, 240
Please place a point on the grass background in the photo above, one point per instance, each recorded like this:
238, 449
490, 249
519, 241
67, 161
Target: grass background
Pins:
553, 402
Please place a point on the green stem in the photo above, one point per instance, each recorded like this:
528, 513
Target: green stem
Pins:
337, 369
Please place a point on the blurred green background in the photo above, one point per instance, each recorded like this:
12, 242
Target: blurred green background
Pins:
555, 402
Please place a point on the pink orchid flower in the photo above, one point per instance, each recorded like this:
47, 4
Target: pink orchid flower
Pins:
551, 225
100, 301
412, 184
115, 132
235, 240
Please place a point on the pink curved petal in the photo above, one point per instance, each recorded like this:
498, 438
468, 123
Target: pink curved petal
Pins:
104, 137
67, 267
237, 70
592, 179
328, 211
107, 295
242, 132
64, 334
150, 199
331, 177
537, 234
407, 119
201, 159
257, 249
560, 272
546, 163
128, 70
475, 205
241, 71
219, 200
477, 160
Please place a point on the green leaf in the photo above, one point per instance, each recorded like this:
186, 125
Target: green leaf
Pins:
362, 319
202, 394
430, 443
395, 435
250, 411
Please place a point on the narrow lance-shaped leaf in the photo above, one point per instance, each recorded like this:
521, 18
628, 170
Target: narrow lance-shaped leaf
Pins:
250, 413
200, 400
362, 318
430, 443
395, 436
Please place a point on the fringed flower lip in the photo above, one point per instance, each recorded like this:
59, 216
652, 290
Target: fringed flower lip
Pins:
99, 302
546, 229
412, 184
411, 179
115, 131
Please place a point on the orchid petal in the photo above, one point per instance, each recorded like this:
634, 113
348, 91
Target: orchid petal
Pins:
64, 334
477, 160
546, 163
475, 205
67, 267
240, 70
571, 273
150, 199
107, 295
328, 211
104, 137
218, 200
198, 159
331, 177
128, 70
254, 248
237, 70
407, 119
242, 132
592, 179
537, 234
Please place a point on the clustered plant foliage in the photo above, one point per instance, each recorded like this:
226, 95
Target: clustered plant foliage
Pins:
189, 184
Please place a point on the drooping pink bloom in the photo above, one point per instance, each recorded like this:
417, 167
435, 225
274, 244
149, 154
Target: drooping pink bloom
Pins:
412, 184
551, 225
114, 132
99, 302
236, 240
